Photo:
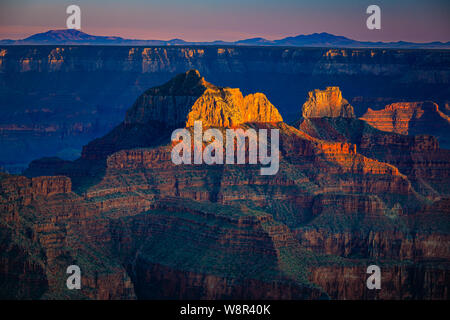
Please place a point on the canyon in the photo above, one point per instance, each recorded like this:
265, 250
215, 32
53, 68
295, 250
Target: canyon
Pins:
56, 99
346, 195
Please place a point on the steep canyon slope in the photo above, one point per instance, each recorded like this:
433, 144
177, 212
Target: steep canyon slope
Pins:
346, 196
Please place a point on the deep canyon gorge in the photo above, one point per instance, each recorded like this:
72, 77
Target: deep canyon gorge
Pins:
355, 186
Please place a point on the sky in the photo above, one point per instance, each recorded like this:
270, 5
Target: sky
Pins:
231, 20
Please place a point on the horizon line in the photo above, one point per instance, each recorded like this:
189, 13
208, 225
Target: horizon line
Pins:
227, 41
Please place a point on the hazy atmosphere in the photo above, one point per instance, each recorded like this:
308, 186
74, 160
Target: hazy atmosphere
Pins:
204, 20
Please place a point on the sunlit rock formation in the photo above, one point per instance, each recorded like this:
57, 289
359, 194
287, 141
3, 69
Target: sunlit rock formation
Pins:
257, 108
411, 118
327, 103
189, 97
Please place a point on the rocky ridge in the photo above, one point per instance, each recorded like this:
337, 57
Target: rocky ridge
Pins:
327, 103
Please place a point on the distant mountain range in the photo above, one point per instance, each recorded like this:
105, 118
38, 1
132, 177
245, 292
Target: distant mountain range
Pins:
75, 37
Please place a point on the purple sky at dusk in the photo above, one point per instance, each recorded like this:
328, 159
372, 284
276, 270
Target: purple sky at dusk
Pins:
207, 20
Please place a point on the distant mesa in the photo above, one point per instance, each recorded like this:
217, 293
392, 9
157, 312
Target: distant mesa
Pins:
68, 35
327, 103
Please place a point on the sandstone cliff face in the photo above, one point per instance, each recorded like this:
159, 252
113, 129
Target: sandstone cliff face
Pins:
177, 59
257, 108
50, 185
219, 107
327, 103
411, 118
378, 245
19, 188
228, 108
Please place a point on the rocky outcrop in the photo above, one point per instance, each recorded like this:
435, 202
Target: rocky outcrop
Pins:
218, 107
327, 103
228, 108
411, 118
402, 117
19, 188
418, 157
257, 108
48, 186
